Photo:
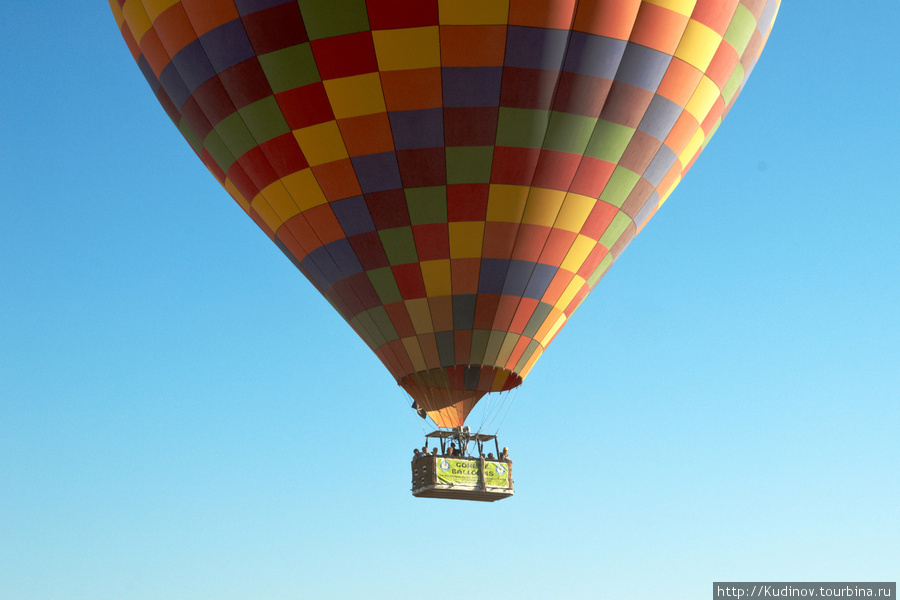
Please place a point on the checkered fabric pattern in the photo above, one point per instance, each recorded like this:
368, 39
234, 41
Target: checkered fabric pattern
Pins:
454, 176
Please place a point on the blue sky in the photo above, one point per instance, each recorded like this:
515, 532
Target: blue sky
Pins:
182, 416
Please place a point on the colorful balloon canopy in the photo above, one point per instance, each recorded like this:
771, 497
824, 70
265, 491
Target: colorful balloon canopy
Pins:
454, 176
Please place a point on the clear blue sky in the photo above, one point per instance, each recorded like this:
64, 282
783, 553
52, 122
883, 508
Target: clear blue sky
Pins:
183, 417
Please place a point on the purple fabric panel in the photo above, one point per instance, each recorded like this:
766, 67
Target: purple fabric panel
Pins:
245, 7
471, 86
414, 129
344, 257
490, 278
660, 117
535, 48
660, 165
517, 277
645, 211
642, 67
377, 172
353, 215
193, 65
594, 55
540, 281
227, 45
174, 85
148, 73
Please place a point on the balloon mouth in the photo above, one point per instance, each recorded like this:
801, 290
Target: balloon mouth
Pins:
449, 394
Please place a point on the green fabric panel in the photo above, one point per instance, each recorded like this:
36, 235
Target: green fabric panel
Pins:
384, 324
385, 285
264, 119
711, 133
615, 229
619, 186
522, 127
608, 141
235, 134
290, 67
526, 356
437, 378
479, 345
190, 136
601, 270
469, 164
495, 341
446, 348
741, 28
327, 18
427, 204
344, 315
366, 329
734, 84
464, 310
215, 145
569, 133
537, 319
399, 245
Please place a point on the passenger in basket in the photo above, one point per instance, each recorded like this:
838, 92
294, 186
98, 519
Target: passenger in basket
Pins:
505, 454
415, 454
434, 451
490, 456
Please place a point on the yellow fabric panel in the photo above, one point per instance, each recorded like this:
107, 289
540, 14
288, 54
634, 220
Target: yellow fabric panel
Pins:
575, 285
436, 274
506, 203
698, 45
117, 13
473, 12
533, 359
543, 206
574, 212
466, 238
499, 379
579, 251
236, 194
665, 195
304, 189
280, 201
495, 341
703, 99
265, 212
136, 18
509, 344
414, 48
419, 315
552, 324
691, 149
411, 344
683, 7
155, 8
355, 96
321, 143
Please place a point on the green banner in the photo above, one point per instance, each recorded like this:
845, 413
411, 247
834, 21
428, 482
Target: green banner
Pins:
462, 471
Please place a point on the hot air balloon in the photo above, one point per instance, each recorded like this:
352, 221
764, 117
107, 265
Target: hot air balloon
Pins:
454, 176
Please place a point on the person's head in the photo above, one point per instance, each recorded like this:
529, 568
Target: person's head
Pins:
490, 455
505, 449
434, 450
415, 450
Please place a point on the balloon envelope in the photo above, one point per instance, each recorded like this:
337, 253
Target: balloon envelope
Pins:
454, 176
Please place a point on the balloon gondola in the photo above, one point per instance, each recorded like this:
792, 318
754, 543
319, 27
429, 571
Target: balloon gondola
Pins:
453, 176
451, 471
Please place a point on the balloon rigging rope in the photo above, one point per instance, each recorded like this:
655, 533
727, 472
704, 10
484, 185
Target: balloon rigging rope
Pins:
512, 398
